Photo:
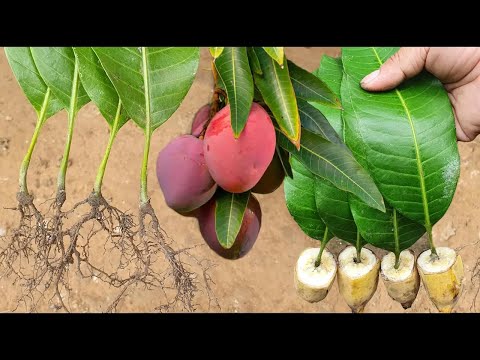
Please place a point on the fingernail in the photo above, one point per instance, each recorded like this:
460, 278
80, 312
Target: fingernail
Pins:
370, 77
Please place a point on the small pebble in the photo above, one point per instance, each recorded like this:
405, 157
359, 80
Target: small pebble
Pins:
3, 232
474, 173
117, 231
8, 118
448, 232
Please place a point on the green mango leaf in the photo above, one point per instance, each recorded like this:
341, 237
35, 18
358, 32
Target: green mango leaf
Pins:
59, 70
310, 88
389, 231
26, 72
257, 96
383, 230
332, 203
285, 161
216, 51
300, 200
334, 209
276, 53
229, 212
98, 86
151, 82
335, 163
234, 72
254, 63
277, 91
331, 72
313, 120
406, 137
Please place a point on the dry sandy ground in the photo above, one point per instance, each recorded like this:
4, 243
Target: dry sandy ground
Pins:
260, 282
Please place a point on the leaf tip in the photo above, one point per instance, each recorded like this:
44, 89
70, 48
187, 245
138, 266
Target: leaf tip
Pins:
338, 104
238, 131
296, 143
381, 206
296, 138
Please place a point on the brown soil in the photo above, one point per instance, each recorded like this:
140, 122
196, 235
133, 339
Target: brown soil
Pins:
260, 282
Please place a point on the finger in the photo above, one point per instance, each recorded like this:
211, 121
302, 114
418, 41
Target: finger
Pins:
467, 110
404, 64
461, 136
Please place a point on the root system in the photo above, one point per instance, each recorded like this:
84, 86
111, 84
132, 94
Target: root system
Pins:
43, 249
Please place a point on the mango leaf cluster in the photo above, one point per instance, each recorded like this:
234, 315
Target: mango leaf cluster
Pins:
405, 140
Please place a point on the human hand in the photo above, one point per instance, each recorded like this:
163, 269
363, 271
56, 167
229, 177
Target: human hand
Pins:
457, 68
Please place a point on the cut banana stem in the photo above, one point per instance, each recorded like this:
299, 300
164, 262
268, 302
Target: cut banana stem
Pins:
402, 284
357, 280
313, 283
442, 277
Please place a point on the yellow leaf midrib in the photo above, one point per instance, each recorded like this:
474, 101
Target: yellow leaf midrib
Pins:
417, 151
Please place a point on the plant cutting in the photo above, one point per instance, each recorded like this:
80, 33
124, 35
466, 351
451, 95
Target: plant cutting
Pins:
316, 268
416, 180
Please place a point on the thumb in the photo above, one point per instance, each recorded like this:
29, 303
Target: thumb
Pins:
404, 64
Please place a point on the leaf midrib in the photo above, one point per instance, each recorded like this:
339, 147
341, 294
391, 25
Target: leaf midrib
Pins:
229, 236
230, 220
333, 165
417, 151
292, 130
309, 88
146, 90
234, 88
35, 104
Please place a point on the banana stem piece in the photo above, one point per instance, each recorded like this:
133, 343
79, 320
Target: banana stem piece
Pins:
442, 277
313, 283
402, 282
357, 281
